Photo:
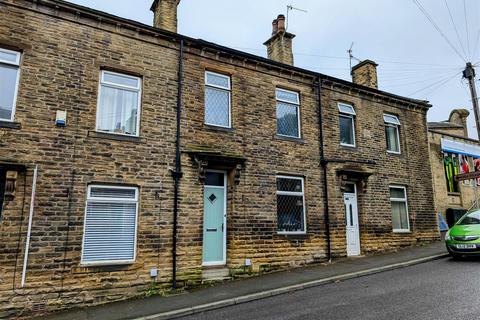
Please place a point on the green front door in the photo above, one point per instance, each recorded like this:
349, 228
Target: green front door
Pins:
214, 215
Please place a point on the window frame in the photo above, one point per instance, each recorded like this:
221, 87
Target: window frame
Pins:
139, 90
229, 90
296, 105
396, 125
402, 200
292, 193
102, 199
17, 63
351, 116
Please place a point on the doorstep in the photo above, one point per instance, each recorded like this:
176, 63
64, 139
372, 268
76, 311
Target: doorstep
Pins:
215, 274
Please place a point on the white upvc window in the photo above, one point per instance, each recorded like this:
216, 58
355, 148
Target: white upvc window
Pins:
110, 228
347, 124
288, 113
392, 133
290, 205
119, 100
9, 80
218, 100
399, 203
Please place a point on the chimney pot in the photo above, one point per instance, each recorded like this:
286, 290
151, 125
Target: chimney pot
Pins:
274, 27
281, 23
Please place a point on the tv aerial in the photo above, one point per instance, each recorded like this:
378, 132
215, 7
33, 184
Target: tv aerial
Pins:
351, 56
292, 8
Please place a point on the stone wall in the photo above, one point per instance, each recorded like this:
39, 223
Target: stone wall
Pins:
64, 50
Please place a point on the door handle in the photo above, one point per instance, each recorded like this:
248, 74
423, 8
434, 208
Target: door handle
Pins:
212, 230
222, 227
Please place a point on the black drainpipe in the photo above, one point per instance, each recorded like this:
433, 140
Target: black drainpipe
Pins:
323, 163
177, 174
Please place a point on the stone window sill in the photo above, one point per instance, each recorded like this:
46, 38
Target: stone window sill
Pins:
10, 125
215, 128
290, 139
292, 236
454, 194
104, 268
112, 136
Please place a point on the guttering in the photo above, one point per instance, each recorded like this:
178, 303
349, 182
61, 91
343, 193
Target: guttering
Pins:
177, 174
323, 164
29, 231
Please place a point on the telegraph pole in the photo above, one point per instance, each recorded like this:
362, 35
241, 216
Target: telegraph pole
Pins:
469, 74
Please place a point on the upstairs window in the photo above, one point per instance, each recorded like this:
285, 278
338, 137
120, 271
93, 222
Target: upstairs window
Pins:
398, 200
217, 100
290, 205
9, 77
119, 103
288, 113
347, 125
392, 125
110, 225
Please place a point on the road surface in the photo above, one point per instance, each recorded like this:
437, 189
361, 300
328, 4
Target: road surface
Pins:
441, 289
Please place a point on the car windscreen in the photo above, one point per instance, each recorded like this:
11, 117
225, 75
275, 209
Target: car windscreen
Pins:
470, 218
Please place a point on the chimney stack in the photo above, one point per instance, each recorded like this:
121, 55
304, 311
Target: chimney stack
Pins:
165, 14
459, 116
279, 46
365, 74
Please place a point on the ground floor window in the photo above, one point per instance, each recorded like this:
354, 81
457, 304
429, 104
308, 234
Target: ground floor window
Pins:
290, 204
398, 199
110, 225
2, 189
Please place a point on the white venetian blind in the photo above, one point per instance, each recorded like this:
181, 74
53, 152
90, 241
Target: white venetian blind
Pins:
110, 225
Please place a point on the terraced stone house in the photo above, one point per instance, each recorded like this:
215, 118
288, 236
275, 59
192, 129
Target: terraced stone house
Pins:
133, 157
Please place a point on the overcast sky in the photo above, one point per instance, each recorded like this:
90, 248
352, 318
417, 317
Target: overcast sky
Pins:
414, 59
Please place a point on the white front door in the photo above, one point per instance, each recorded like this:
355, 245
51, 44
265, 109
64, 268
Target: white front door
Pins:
351, 220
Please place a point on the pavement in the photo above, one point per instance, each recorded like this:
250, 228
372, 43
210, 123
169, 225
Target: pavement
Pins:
443, 289
232, 293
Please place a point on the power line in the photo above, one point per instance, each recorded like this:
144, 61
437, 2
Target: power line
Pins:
412, 80
455, 27
429, 18
476, 44
346, 58
441, 82
439, 86
466, 26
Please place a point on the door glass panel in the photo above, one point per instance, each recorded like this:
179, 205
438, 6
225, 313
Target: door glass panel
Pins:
349, 188
351, 215
215, 179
